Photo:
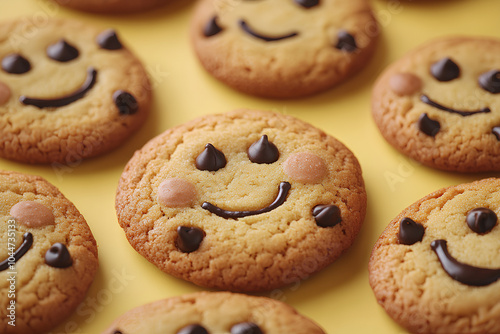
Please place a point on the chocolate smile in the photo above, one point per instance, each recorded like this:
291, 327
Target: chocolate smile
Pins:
18, 254
246, 28
461, 272
65, 100
427, 100
284, 187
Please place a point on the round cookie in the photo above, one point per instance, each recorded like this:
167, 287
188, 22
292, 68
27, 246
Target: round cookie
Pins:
112, 6
48, 255
283, 48
435, 269
214, 313
440, 104
244, 201
68, 91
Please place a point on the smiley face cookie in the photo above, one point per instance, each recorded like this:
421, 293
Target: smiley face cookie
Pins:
283, 48
436, 269
214, 313
68, 91
246, 201
48, 256
440, 104
111, 6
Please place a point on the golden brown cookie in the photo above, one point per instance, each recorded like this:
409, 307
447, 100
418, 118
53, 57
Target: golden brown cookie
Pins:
436, 268
283, 48
48, 255
214, 313
112, 6
247, 200
68, 91
440, 104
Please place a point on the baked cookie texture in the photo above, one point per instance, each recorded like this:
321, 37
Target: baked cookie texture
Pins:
283, 48
60, 259
440, 104
216, 313
68, 91
111, 6
200, 203
424, 268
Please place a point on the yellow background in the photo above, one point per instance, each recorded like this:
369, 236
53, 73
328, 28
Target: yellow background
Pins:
339, 297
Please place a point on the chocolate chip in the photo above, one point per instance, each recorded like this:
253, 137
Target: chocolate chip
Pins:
428, 126
490, 81
211, 159
307, 3
445, 70
246, 328
481, 220
327, 215
496, 132
193, 329
212, 28
410, 232
58, 256
117, 332
263, 151
15, 64
189, 238
346, 42
62, 51
125, 102
109, 40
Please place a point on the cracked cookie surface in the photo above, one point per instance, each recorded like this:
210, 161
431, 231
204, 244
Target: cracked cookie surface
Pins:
216, 313
245, 201
283, 48
59, 260
440, 104
68, 91
435, 268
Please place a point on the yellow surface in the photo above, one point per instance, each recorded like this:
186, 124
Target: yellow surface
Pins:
338, 298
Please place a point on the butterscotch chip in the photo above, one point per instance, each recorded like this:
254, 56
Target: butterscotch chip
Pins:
252, 226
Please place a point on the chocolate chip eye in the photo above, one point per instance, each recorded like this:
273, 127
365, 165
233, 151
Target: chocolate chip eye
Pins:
211, 159
58, 256
15, 64
117, 332
445, 70
108, 40
410, 232
263, 151
193, 329
189, 238
481, 220
125, 102
346, 42
62, 51
246, 328
327, 215
490, 81
212, 28
428, 126
307, 3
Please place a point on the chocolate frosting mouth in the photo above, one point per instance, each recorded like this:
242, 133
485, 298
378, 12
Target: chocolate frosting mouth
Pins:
246, 28
425, 99
462, 272
65, 100
284, 187
18, 254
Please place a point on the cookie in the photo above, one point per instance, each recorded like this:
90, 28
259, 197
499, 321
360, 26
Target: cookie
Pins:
68, 91
244, 201
111, 6
214, 313
48, 255
283, 48
436, 269
440, 104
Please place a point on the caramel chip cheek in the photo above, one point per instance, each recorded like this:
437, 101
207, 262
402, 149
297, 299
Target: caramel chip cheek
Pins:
5, 93
305, 167
176, 193
32, 214
405, 84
